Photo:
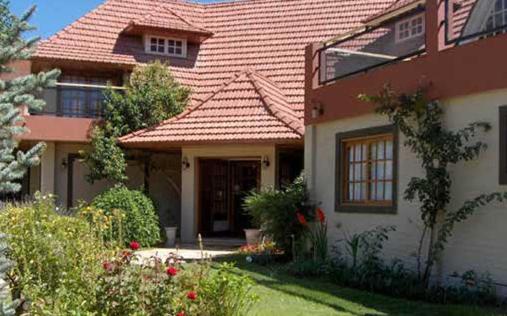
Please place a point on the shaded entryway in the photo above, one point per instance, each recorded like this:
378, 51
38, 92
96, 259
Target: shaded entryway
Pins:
223, 185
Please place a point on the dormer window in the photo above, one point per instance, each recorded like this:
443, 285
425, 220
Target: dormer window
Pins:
176, 47
410, 28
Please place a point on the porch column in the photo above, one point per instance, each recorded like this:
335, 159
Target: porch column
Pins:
188, 227
310, 157
47, 169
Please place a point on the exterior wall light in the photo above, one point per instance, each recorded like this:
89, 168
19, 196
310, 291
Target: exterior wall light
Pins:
317, 110
185, 164
65, 163
265, 162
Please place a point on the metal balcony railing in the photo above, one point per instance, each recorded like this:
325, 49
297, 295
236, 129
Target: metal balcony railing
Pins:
74, 100
373, 47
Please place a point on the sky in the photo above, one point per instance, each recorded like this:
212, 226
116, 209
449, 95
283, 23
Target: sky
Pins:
53, 15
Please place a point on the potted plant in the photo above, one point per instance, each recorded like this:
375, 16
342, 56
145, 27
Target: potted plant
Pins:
253, 235
171, 231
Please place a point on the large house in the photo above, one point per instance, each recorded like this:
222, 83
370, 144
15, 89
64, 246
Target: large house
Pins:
253, 109
355, 160
244, 62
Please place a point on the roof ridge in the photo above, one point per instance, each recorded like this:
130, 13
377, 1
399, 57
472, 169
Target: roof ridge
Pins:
293, 123
172, 11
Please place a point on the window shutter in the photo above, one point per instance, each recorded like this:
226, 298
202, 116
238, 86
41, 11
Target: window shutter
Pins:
503, 145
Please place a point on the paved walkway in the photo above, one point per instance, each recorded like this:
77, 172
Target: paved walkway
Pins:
187, 253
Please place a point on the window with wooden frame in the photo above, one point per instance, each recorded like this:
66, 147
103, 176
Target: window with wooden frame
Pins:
366, 178
176, 47
503, 145
410, 28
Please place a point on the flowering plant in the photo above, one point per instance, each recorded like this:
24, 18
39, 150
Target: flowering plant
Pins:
317, 232
132, 285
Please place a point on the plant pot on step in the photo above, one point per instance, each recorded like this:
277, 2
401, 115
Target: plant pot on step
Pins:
253, 236
170, 233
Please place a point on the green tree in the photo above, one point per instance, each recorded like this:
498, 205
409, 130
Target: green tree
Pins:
152, 96
437, 149
13, 95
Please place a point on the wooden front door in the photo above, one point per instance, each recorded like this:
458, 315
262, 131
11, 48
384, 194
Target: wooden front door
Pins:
223, 185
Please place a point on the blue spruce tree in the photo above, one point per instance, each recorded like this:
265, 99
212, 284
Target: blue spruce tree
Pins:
14, 94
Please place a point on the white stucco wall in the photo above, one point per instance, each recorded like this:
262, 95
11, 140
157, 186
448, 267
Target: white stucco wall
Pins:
165, 180
189, 177
479, 243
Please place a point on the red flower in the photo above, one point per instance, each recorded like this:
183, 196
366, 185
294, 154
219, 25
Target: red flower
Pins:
134, 245
172, 271
108, 266
182, 313
302, 219
320, 215
192, 295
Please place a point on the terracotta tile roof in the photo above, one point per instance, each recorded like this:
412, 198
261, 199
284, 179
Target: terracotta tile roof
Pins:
165, 18
267, 36
257, 34
248, 107
398, 4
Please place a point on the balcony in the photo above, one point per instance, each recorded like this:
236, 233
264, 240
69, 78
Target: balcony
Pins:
372, 47
75, 100
464, 25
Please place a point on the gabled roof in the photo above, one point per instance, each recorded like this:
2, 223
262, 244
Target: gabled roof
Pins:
267, 36
248, 107
165, 18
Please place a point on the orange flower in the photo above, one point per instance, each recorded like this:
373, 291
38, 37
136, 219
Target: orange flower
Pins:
320, 215
302, 219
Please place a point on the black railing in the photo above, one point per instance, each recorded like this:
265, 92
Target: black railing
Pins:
74, 100
373, 47
482, 21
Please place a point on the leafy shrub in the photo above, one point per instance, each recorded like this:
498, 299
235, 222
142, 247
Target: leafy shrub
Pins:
140, 220
131, 286
56, 257
275, 211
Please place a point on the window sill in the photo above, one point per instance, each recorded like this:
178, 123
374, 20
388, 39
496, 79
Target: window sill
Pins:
366, 209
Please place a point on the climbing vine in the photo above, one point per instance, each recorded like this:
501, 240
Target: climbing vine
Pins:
437, 149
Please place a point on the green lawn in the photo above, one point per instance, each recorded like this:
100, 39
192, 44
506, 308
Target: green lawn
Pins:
284, 295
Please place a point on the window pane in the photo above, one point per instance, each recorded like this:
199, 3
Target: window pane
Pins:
170, 50
357, 191
357, 172
388, 191
351, 192
364, 174
380, 170
498, 20
389, 149
380, 191
373, 152
373, 171
357, 149
380, 155
178, 51
389, 170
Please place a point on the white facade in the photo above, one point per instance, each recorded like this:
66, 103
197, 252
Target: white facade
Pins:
479, 243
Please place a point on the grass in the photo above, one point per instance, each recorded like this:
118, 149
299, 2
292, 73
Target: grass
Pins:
283, 295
